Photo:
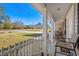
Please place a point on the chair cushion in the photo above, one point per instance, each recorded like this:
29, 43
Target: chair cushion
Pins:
65, 45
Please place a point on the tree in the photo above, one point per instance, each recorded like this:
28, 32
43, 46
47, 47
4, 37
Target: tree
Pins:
38, 26
18, 22
6, 22
29, 27
18, 25
6, 18
1, 10
1, 26
7, 25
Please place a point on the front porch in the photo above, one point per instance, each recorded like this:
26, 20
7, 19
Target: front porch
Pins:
63, 17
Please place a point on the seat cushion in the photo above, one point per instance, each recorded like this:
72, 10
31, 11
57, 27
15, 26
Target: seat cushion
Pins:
65, 45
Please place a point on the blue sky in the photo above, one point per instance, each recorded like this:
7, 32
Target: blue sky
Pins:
22, 12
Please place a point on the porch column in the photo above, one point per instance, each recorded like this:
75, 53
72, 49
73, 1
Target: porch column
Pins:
45, 32
52, 37
52, 29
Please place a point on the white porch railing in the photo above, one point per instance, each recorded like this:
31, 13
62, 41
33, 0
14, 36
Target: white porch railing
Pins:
26, 48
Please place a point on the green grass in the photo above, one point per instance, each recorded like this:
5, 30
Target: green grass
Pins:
10, 38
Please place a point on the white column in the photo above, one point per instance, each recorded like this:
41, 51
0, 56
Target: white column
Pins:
52, 38
45, 32
52, 30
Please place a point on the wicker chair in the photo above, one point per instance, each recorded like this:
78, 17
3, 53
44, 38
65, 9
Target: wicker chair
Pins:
70, 45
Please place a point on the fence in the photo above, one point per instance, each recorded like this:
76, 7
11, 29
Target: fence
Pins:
29, 47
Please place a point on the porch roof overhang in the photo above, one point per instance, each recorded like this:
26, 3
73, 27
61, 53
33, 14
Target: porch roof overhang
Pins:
56, 11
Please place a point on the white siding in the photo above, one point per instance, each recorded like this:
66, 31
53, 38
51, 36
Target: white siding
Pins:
76, 17
70, 22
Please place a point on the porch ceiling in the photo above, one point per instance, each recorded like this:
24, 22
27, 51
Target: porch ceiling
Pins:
58, 10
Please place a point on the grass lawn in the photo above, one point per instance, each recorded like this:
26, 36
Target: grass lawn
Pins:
10, 38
